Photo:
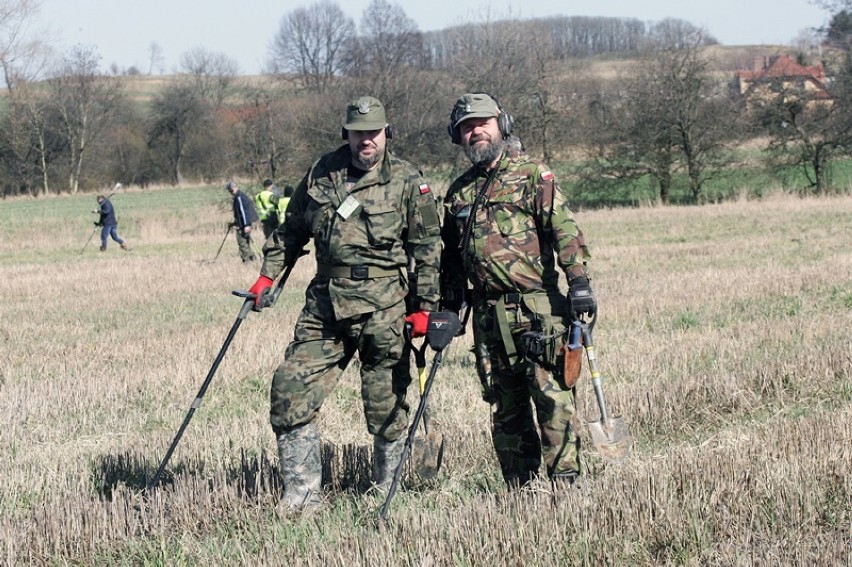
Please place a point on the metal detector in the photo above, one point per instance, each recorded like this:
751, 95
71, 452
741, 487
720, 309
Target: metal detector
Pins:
268, 299
91, 236
222, 245
443, 326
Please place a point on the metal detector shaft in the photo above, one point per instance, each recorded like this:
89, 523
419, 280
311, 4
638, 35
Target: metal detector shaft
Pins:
406, 451
247, 306
196, 403
222, 245
91, 236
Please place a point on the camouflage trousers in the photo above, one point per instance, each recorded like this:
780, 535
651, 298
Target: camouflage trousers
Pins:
244, 244
321, 349
515, 387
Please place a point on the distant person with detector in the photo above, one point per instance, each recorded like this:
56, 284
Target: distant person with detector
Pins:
108, 224
245, 215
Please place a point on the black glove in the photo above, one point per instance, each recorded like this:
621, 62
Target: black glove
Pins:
580, 296
96, 223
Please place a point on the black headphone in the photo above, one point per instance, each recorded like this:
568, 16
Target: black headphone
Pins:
504, 120
344, 133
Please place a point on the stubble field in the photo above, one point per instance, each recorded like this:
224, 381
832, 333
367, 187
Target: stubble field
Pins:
723, 337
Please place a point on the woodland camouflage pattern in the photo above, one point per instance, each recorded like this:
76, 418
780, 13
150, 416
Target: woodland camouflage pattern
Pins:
523, 221
523, 231
396, 220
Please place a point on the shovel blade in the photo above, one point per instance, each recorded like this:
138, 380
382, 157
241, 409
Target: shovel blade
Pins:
427, 452
611, 438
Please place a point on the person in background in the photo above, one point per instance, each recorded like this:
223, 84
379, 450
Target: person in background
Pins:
267, 210
515, 146
369, 214
507, 228
245, 216
108, 224
281, 202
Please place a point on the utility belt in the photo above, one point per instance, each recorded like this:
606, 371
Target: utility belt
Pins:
513, 298
501, 303
355, 272
545, 343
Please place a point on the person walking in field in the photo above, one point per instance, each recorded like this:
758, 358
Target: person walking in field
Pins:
245, 216
267, 209
369, 214
507, 227
108, 223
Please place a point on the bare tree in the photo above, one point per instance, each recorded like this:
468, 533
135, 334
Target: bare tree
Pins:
29, 141
261, 140
177, 112
86, 100
310, 43
22, 57
389, 41
670, 116
156, 60
211, 73
809, 130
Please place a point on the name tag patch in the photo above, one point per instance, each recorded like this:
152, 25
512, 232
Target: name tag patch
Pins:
348, 207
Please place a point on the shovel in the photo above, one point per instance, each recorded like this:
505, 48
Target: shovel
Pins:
609, 434
427, 452
443, 326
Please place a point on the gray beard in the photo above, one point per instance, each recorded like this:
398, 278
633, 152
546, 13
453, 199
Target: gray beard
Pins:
365, 163
484, 156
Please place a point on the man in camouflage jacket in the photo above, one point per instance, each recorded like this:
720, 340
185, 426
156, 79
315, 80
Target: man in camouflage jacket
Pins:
508, 225
372, 217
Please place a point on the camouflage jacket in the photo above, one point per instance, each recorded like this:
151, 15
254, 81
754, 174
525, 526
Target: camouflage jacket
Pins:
523, 228
388, 220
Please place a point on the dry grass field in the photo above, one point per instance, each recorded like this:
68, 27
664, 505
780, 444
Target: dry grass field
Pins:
723, 337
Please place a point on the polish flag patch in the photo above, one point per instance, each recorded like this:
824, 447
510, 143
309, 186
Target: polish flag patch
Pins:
547, 176
424, 188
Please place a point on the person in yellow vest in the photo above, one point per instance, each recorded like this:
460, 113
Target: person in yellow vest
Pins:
266, 209
282, 202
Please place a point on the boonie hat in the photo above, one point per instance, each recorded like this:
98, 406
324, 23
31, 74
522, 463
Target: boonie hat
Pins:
365, 113
474, 105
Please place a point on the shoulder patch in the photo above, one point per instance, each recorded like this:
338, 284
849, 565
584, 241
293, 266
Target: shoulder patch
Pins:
424, 188
547, 176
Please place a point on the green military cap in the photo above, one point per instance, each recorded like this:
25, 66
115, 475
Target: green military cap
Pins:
474, 105
365, 113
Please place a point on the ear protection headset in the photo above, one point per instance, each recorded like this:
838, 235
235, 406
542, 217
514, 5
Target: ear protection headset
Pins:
344, 133
505, 122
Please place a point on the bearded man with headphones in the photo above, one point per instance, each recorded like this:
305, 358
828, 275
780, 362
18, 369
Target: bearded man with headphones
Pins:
508, 225
372, 217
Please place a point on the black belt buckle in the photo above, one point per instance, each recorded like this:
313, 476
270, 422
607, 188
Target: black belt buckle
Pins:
360, 272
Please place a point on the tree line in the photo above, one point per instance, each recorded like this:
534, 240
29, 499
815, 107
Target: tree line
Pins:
663, 113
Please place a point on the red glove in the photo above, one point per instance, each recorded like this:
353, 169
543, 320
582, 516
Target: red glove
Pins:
262, 284
419, 321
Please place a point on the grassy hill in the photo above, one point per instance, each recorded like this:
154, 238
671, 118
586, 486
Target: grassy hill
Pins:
723, 340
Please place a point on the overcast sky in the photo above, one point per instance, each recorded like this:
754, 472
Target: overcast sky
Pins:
123, 30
